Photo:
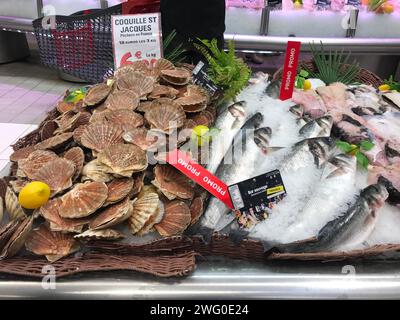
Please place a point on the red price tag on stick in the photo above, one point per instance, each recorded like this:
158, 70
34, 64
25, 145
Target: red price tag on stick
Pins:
201, 176
290, 69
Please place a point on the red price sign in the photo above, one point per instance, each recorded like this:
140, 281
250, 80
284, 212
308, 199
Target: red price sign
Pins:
290, 69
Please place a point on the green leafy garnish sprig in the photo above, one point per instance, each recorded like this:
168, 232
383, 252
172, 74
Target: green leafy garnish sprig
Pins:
300, 78
357, 150
226, 70
331, 68
393, 85
76, 95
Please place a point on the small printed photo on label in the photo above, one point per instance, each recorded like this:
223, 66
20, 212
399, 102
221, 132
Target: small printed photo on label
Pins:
254, 199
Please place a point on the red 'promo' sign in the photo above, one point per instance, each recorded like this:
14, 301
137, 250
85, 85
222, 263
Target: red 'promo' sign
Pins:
290, 69
200, 175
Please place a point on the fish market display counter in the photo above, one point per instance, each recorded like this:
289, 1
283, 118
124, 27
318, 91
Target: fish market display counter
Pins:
226, 280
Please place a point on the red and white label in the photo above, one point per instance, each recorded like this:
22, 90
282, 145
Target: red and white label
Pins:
136, 37
290, 69
201, 176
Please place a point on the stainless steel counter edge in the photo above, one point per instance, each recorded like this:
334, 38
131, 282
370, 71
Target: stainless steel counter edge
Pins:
225, 281
381, 46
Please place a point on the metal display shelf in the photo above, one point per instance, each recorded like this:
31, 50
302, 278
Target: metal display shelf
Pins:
226, 280
377, 46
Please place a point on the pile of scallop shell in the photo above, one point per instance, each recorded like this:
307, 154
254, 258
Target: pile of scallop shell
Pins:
94, 158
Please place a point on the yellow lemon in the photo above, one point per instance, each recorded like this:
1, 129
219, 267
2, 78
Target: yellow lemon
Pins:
199, 133
297, 5
307, 85
384, 87
388, 8
354, 150
34, 195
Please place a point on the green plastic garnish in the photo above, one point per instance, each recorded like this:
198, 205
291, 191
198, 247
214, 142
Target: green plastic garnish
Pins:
226, 70
357, 150
76, 95
300, 78
393, 85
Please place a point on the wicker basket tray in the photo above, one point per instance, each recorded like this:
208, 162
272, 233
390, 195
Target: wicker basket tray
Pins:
174, 256
170, 257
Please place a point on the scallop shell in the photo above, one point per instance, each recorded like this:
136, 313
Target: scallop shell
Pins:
17, 240
77, 156
118, 189
136, 81
112, 215
50, 211
138, 184
144, 106
204, 118
22, 153
63, 106
126, 119
143, 209
78, 132
172, 183
175, 220
100, 136
55, 141
142, 138
53, 245
130, 68
100, 116
179, 76
83, 200
160, 91
124, 159
1, 209
48, 129
123, 99
57, 174
35, 161
18, 184
3, 188
7, 231
70, 123
155, 218
104, 234
96, 171
13, 207
166, 117
193, 103
96, 94
196, 209
161, 64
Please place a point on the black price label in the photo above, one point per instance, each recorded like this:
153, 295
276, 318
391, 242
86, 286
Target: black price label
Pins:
201, 78
355, 3
254, 199
323, 3
275, 4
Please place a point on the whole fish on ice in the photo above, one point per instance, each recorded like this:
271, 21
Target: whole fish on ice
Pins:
320, 127
239, 164
332, 193
307, 152
389, 176
348, 230
228, 123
